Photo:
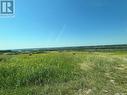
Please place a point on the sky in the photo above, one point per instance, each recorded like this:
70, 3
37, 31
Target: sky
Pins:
61, 23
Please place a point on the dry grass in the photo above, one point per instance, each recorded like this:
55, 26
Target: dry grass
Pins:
65, 73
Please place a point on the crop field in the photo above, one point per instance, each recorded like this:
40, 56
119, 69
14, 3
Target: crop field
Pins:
64, 73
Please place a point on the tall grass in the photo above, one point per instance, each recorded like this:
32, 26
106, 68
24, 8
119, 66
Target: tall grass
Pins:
65, 73
24, 70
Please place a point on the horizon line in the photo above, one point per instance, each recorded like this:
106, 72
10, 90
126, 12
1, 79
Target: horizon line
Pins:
50, 47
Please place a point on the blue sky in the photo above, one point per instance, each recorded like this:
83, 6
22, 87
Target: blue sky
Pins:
57, 23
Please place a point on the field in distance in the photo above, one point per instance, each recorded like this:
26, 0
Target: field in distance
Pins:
64, 73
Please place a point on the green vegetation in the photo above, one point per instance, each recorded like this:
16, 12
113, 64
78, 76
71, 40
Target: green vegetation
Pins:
64, 73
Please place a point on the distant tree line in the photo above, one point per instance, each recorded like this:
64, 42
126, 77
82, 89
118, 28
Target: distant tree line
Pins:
101, 48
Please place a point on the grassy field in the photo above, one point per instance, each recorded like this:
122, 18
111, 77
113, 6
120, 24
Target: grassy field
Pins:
64, 73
